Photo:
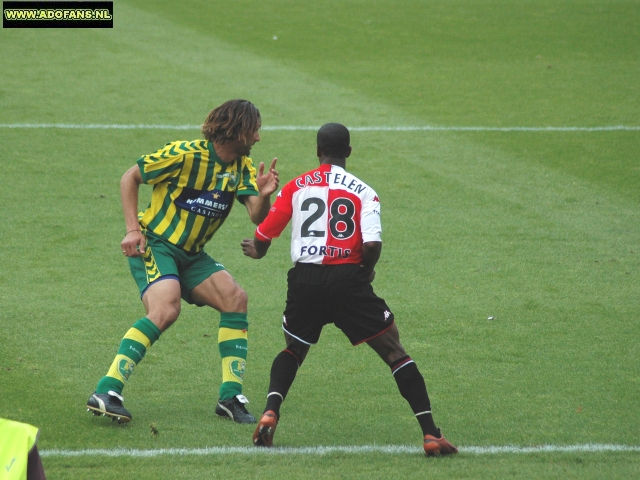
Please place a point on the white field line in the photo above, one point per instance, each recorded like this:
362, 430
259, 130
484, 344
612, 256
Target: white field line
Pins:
415, 128
389, 449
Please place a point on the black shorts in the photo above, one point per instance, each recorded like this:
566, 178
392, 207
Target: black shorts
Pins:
338, 294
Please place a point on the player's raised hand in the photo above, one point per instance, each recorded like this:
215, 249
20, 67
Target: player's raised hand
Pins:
268, 182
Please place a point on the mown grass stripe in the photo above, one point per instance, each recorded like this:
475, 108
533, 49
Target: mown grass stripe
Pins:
409, 128
389, 449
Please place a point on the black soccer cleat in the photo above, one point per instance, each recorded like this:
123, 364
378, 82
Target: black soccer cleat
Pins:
109, 405
234, 409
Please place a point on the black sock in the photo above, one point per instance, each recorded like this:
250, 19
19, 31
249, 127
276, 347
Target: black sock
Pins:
283, 373
413, 389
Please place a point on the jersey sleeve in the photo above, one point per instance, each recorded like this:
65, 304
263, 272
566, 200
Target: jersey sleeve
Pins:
278, 217
247, 172
161, 166
370, 218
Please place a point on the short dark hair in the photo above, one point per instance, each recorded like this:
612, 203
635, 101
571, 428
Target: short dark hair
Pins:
233, 120
334, 140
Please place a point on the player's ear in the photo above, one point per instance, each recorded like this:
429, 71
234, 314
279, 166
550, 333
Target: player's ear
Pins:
318, 151
348, 152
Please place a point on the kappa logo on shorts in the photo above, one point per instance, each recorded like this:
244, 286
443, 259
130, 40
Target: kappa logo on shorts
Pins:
387, 315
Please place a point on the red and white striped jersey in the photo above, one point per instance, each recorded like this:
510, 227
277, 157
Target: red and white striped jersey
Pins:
333, 213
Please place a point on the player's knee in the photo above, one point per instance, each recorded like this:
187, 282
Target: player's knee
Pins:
240, 300
297, 349
163, 317
388, 348
172, 313
393, 356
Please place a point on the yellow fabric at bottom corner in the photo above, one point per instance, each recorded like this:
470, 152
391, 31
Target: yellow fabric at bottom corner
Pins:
16, 441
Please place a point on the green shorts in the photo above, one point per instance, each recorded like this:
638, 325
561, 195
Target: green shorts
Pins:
163, 260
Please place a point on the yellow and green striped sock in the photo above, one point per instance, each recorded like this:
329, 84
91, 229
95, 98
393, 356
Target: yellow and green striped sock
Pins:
133, 348
232, 342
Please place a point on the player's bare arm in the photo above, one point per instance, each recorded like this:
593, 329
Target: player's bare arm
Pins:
133, 243
370, 256
254, 248
258, 206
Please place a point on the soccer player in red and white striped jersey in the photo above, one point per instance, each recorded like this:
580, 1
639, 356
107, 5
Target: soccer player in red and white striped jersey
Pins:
332, 212
335, 245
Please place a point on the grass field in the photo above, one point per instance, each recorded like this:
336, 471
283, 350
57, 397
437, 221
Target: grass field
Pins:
525, 219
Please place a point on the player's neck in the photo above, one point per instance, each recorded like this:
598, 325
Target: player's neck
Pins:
226, 151
338, 162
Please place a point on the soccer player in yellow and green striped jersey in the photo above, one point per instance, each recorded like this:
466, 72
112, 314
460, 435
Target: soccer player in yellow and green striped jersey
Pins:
195, 184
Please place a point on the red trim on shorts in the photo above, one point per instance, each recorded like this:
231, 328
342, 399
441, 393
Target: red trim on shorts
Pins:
375, 336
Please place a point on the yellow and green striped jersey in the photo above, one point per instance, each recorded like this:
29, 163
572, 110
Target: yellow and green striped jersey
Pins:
193, 191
